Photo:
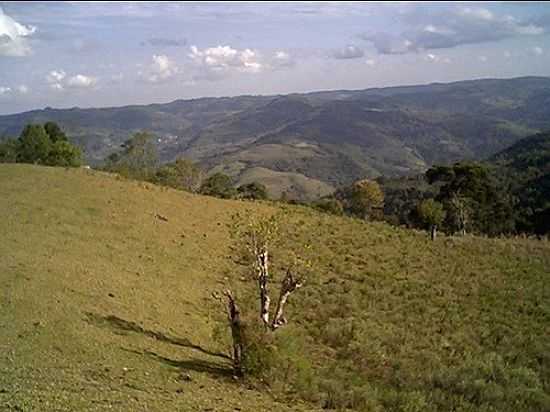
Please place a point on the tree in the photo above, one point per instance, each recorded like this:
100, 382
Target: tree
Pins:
363, 198
472, 199
182, 174
137, 160
55, 133
42, 144
460, 212
34, 145
254, 191
329, 205
431, 213
8, 151
62, 153
219, 185
255, 239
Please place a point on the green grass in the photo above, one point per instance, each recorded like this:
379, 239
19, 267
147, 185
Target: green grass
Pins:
103, 306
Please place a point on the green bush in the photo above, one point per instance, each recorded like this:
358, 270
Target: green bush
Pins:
219, 185
183, 174
330, 205
137, 160
8, 151
34, 145
62, 153
252, 191
491, 383
41, 144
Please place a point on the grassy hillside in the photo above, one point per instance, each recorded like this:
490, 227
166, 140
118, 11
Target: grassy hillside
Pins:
105, 305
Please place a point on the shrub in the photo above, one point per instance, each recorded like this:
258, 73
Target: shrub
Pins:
183, 174
8, 151
330, 205
253, 191
218, 185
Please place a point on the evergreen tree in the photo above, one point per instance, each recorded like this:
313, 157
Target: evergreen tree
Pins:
34, 145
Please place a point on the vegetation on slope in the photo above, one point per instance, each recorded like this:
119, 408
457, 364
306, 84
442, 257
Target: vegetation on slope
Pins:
507, 193
106, 305
524, 169
334, 137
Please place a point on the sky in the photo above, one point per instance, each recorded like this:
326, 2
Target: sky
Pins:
99, 54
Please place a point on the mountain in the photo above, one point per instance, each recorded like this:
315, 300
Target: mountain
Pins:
106, 304
329, 138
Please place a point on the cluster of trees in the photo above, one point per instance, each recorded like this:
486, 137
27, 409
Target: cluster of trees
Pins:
462, 198
139, 159
364, 199
44, 144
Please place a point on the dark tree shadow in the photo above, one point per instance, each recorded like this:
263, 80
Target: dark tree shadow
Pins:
116, 323
197, 365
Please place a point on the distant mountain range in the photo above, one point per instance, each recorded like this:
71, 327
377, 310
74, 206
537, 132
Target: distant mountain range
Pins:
307, 144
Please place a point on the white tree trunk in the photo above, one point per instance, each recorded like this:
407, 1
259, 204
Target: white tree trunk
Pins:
262, 267
288, 286
434, 232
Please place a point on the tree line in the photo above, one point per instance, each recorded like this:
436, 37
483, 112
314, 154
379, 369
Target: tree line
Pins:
461, 198
138, 159
43, 144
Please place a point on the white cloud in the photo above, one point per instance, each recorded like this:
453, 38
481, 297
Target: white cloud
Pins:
483, 59
22, 89
58, 80
81, 81
4, 90
13, 37
370, 62
434, 58
160, 70
56, 76
507, 54
478, 13
348, 52
537, 51
530, 30
450, 28
222, 60
282, 59
54, 79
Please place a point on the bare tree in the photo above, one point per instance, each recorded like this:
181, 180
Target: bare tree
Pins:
461, 212
257, 238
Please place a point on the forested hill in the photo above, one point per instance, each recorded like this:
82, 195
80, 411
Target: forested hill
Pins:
524, 169
327, 138
516, 192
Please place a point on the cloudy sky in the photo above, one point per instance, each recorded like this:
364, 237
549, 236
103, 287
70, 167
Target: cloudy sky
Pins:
65, 54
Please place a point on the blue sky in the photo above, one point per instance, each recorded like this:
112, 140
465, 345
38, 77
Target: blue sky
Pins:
65, 54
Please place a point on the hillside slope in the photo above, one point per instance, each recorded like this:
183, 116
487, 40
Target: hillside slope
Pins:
106, 306
335, 137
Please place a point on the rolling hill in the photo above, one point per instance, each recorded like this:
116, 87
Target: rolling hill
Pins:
106, 305
331, 138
